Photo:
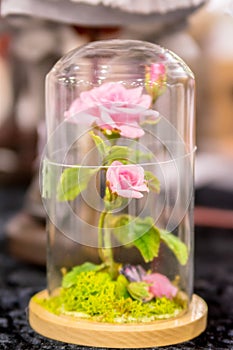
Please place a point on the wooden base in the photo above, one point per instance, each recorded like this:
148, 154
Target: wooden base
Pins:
83, 332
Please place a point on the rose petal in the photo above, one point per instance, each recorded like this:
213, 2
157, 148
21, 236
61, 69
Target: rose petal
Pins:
131, 132
129, 193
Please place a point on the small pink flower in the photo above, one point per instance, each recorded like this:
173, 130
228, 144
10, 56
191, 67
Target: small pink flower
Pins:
126, 180
157, 71
155, 80
160, 286
113, 107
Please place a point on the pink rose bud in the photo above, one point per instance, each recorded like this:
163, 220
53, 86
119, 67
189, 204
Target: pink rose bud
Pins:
126, 180
160, 286
155, 80
157, 72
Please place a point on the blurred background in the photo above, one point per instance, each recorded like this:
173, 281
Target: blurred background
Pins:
34, 35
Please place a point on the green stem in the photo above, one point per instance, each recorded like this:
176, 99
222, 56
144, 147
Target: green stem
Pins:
105, 250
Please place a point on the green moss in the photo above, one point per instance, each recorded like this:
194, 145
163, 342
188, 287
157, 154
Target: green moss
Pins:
95, 295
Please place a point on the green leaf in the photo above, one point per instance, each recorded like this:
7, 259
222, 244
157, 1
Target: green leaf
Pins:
121, 287
148, 244
117, 153
100, 144
141, 233
139, 156
122, 227
71, 277
73, 181
176, 246
139, 291
126, 155
153, 181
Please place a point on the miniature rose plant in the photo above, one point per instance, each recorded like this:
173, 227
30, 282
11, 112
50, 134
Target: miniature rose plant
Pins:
114, 112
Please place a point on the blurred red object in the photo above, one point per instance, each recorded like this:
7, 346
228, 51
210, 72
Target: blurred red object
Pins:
5, 39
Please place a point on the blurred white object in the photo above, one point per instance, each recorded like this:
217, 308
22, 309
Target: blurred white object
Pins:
102, 12
225, 6
218, 41
214, 170
184, 46
145, 6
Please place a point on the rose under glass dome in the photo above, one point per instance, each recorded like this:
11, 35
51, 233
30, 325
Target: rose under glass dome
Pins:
117, 185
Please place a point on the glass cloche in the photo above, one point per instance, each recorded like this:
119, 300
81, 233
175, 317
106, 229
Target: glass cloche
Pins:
117, 185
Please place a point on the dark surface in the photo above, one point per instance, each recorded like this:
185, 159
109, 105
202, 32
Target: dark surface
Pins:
19, 281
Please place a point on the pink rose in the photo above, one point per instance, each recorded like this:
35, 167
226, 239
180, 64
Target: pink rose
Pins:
126, 180
160, 286
113, 107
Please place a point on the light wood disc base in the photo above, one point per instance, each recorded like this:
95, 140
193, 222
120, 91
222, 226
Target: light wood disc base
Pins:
89, 333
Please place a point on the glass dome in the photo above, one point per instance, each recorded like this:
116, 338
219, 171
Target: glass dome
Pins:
117, 183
